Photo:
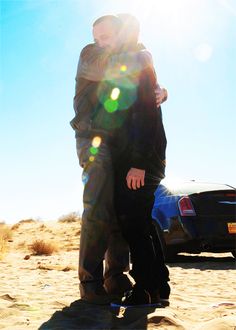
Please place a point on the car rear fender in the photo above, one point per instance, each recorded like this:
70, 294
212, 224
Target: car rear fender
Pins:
164, 209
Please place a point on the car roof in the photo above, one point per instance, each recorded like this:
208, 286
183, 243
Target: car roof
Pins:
192, 187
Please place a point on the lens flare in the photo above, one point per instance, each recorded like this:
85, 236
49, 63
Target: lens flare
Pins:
203, 52
123, 68
115, 93
85, 178
96, 141
93, 150
91, 158
111, 105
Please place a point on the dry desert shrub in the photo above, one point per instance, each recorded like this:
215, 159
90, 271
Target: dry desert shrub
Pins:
3, 247
5, 236
70, 217
41, 247
28, 221
22, 222
42, 227
5, 232
15, 226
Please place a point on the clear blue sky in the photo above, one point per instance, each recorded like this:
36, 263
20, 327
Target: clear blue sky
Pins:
193, 43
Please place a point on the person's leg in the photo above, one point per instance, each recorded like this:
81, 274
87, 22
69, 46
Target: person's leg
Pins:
100, 233
96, 219
160, 267
116, 263
136, 227
134, 209
117, 257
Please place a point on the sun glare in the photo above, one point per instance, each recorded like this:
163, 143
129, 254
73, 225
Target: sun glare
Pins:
174, 19
171, 182
203, 52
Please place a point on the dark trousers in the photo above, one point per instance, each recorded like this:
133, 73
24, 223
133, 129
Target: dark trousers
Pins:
100, 233
133, 208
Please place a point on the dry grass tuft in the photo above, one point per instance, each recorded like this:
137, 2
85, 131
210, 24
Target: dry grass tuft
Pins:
28, 221
5, 236
71, 217
42, 227
3, 247
15, 226
22, 222
41, 247
5, 232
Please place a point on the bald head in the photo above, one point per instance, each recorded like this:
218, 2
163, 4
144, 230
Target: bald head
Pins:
114, 31
106, 31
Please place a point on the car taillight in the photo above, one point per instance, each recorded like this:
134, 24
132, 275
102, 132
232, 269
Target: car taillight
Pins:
230, 195
185, 207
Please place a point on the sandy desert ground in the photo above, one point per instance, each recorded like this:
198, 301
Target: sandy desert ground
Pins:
41, 292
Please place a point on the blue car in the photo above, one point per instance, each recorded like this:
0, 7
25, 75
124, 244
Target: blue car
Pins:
195, 217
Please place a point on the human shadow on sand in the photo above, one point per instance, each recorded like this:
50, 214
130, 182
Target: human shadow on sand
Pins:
81, 315
203, 262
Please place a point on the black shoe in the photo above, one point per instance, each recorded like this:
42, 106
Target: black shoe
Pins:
164, 290
165, 294
156, 298
165, 302
136, 297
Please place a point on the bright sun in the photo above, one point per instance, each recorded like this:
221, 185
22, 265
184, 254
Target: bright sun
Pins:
175, 17
178, 21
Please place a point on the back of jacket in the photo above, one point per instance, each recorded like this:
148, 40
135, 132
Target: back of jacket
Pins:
129, 117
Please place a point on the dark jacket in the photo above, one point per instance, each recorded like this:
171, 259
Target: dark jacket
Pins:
135, 126
148, 134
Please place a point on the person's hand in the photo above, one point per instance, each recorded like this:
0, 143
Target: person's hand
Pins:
135, 178
161, 95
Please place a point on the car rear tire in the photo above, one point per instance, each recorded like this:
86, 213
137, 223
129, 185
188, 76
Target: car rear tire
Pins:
234, 254
169, 254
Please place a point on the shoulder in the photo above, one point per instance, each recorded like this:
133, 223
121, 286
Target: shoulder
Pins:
145, 58
90, 50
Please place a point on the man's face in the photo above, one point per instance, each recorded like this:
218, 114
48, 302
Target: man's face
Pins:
106, 35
